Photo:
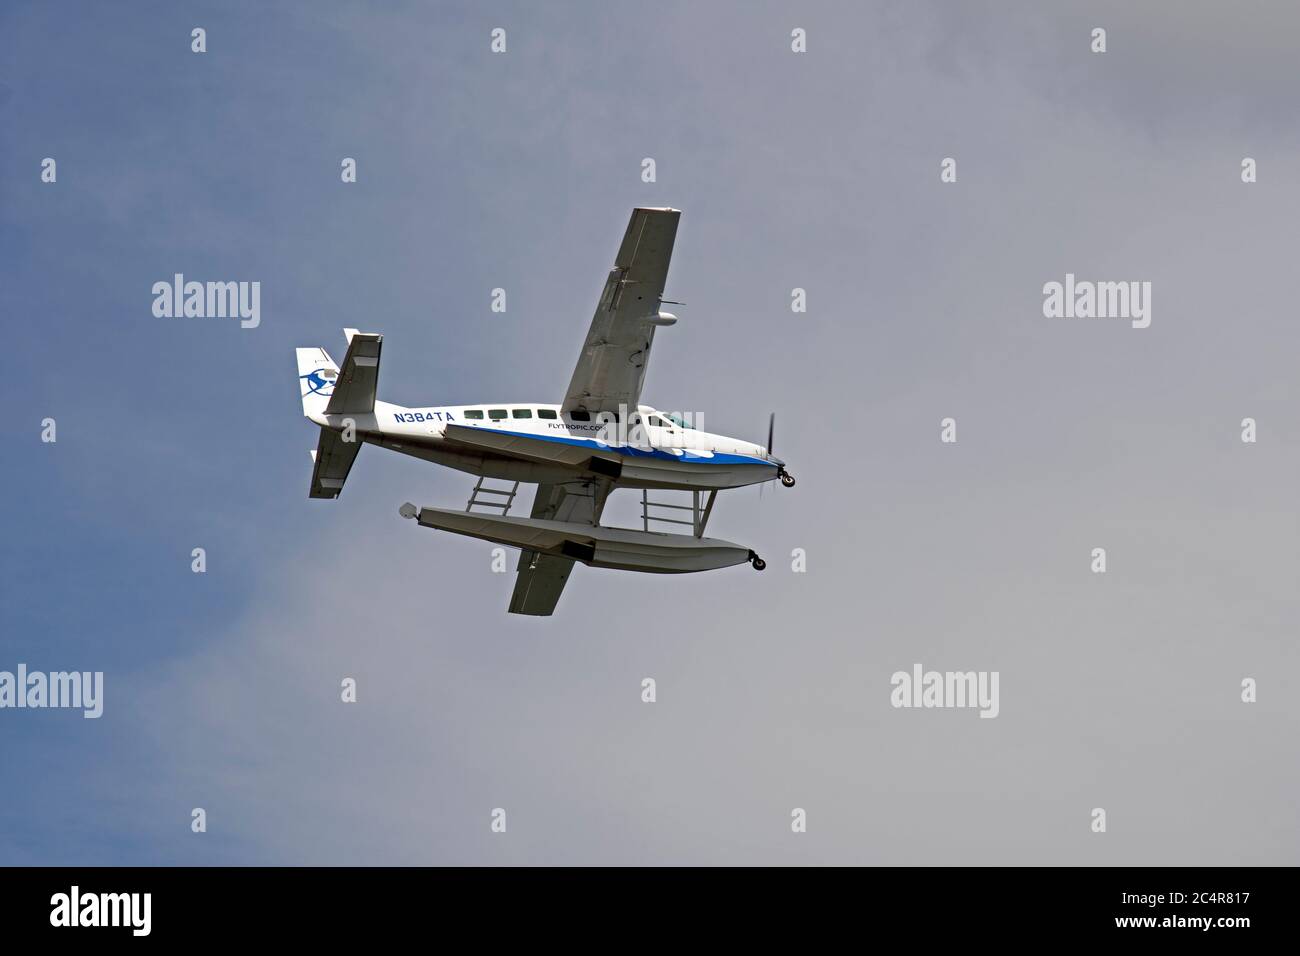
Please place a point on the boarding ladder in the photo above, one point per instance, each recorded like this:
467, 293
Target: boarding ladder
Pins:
485, 498
699, 517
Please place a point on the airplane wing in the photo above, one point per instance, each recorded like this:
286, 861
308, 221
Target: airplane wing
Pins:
611, 368
541, 577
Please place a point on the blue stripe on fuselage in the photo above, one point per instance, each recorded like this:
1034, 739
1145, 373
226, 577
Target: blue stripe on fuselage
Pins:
631, 451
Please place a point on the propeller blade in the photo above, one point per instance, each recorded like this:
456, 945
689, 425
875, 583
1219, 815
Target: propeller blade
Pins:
771, 427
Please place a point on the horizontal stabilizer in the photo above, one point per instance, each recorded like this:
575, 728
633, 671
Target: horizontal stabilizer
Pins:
354, 390
333, 460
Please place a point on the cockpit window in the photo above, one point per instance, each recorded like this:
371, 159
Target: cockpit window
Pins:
658, 422
678, 420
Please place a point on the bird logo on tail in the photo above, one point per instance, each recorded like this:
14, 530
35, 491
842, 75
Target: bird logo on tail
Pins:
320, 382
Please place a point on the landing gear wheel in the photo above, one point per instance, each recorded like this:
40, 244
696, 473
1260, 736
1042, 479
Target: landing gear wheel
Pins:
787, 479
758, 563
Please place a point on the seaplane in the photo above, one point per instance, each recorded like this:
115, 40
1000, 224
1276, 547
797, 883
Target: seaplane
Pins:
600, 439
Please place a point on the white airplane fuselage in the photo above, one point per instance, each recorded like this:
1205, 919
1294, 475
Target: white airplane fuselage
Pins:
650, 449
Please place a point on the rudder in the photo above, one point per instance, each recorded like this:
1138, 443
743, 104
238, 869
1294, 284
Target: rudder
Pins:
317, 373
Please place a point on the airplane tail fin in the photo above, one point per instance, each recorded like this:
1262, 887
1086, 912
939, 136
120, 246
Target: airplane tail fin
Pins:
317, 373
328, 390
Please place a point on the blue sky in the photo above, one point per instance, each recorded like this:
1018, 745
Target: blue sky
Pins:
518, 170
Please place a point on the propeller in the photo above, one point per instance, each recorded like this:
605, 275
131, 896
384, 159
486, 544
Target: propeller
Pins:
771, 427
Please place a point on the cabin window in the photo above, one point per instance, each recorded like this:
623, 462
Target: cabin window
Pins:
522, 413
579, 415
496, 414
546, 413
473, 413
